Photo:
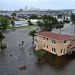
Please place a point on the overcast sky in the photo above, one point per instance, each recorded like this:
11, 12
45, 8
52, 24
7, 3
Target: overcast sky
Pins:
42, 4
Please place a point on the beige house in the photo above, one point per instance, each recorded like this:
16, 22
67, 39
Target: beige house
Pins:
58, 44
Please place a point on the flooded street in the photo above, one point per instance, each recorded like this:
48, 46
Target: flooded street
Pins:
13, 57
68, 29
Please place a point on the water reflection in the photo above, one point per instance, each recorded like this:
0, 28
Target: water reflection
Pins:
68, 29
2, 53
58, 63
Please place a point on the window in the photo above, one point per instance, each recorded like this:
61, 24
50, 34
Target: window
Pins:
47, 46
53, 50
61, 50
64, 41
54, 41
47, 39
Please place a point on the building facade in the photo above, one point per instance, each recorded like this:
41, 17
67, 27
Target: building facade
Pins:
55, 43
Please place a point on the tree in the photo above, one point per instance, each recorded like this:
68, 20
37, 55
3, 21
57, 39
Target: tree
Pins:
73, 21
32, 33
29, 22
40, 54
33, 16
1, 38
47, 23
13, 14
4, 23
60, 25
12, 22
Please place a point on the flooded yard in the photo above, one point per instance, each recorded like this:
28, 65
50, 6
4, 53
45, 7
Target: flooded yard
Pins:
13, 57
68, 29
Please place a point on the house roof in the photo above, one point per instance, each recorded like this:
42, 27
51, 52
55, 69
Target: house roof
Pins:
55, 35
72, 44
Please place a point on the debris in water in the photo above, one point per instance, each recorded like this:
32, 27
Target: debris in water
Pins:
23, 67
10, 54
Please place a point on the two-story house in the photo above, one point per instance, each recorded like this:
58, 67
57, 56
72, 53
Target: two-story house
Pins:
58, 44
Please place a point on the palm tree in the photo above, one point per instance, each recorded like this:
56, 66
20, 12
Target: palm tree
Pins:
47, 23
13, 18
1, 38
12, 22
13, 14
32, 33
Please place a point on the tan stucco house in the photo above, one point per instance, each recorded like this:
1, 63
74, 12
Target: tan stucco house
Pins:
58, 44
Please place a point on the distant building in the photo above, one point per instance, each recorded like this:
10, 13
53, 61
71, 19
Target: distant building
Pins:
58, 44
36, 12
34, 21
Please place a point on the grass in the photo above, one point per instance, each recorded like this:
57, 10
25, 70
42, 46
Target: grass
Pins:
23, 27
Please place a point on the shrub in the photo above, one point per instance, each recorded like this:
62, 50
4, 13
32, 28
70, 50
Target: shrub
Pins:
40, 53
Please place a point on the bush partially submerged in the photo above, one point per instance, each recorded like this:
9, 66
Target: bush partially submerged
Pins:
40, 53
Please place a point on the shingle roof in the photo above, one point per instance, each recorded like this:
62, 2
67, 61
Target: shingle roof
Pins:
55, 35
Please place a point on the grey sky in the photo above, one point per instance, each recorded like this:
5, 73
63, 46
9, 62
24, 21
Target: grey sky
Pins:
42, 4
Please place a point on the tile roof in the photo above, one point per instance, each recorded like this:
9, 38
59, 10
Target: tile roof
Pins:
72, 44
55, 35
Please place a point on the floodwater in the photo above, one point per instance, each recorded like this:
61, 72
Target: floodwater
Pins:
14, 56
68, 29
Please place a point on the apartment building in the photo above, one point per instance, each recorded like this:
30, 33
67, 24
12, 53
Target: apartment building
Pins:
58, 44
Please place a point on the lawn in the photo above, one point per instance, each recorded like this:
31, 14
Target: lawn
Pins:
23, 27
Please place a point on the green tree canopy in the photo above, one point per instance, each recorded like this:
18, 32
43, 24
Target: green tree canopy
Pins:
29, 23
13, 14
60, 25
40, 53
32, 33
12, 22
1, 36
4, 23
47, 23
33, 16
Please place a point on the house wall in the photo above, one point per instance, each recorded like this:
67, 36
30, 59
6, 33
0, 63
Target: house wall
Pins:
43, 44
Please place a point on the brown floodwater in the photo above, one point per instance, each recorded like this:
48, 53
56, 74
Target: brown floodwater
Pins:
14, 56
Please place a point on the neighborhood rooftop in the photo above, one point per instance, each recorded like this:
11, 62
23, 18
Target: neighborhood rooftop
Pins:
72, 44
55, 35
